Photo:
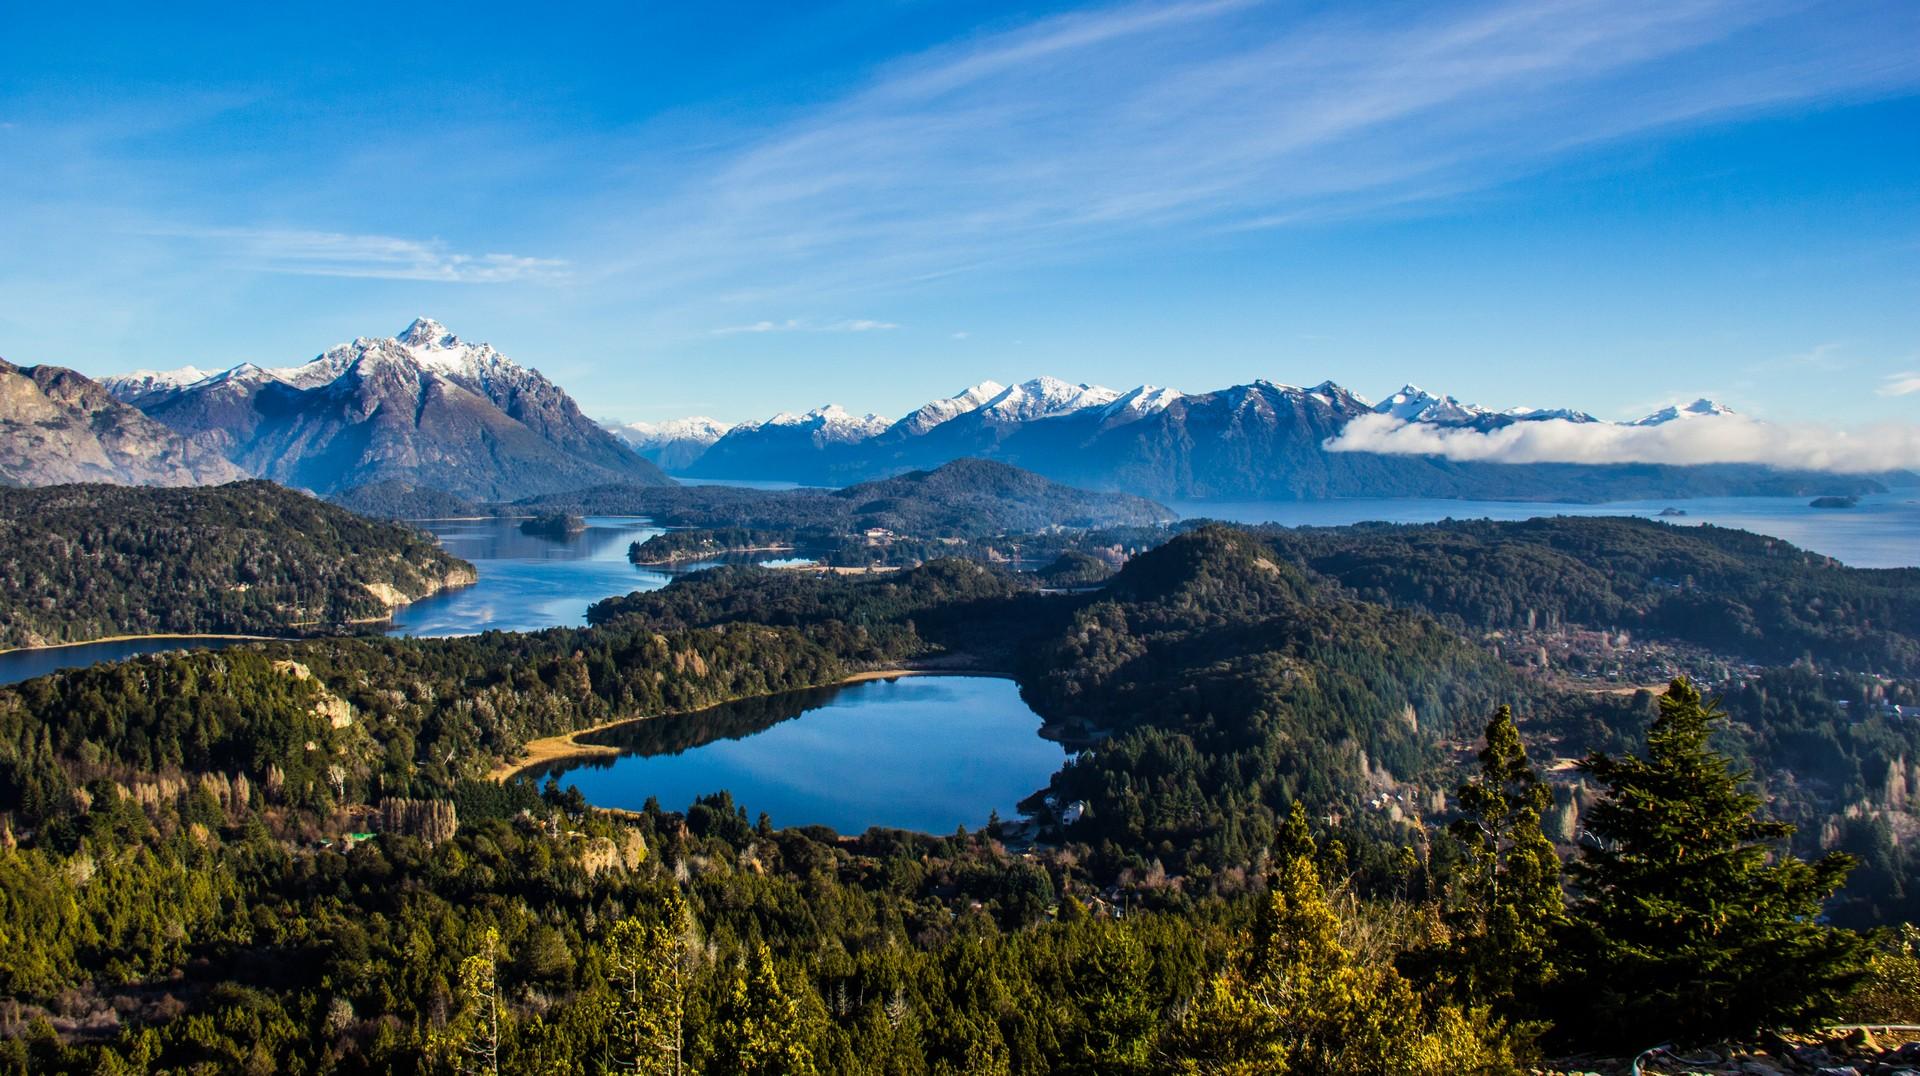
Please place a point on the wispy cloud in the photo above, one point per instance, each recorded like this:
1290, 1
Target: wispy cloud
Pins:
806, 325
384, 257
1904, 383
1096, 127
1722, 439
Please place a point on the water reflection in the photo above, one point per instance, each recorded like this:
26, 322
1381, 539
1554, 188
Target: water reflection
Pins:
926, 753
528, 582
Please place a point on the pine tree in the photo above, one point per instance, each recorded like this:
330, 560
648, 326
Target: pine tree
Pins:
648, 965
1302, 1002
473, 1038
1695, 921
1507, 903
762, 1028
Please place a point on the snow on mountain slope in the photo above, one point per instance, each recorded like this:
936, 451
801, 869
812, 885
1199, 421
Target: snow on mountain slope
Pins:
1415, 404
1045, 397
1701, 408
1139, 403
935, 412
695, 428
832, 424
423, 407
132, 386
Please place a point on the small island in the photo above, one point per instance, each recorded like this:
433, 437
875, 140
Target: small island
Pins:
556, 525
1834, 502
1670, 512
680, 547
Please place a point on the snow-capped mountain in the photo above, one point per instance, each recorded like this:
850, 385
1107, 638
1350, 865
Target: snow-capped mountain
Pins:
1260, 440
935, 412
1139, 403
132, 386
423, 407
1701, 408
1415, 404
1044, 397
1543, 414
831, 425
672, 444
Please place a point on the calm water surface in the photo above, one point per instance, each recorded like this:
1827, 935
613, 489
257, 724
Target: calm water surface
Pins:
526, 582
1882, 532
26, 664
925, 753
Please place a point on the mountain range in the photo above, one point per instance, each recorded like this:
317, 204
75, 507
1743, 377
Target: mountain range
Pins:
59, 426
1258, 441
426, 413
424, 408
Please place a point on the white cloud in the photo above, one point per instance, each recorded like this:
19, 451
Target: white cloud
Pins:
1904, 383
384, 257
1093, 127
805, 325
1722, 439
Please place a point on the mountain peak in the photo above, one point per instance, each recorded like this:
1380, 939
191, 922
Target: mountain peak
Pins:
1700, 408
426, 332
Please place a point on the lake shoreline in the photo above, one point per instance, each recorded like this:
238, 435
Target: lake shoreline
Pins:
185, 636
563, 746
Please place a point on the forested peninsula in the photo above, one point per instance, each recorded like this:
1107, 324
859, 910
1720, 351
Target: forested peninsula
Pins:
86, 562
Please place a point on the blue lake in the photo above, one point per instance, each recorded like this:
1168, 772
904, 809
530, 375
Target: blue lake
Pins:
925, 753
526, 582
1883, 531
18, 665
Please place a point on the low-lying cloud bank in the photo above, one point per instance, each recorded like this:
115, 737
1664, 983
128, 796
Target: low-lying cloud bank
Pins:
1722, 439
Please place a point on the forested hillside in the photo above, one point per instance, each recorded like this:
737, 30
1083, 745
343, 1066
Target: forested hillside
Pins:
1730, 591
964, 499
86, 561
1276, 798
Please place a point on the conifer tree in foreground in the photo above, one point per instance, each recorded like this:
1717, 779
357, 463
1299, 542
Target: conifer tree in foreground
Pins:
762, 1028
1302, 1002
1694, 919
648, 965
1507, 903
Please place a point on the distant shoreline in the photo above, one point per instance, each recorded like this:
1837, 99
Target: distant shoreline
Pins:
566, 745
155, 635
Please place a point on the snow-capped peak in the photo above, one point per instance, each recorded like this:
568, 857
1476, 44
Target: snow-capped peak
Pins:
1415, 404
426, 332
1140, 402
142, 383
1542, 414
1044, 397
832, 424
696, 428
1701, 408
936, 412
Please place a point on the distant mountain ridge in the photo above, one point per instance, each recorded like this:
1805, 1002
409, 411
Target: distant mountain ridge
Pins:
1261, 440
424, 407
59, 426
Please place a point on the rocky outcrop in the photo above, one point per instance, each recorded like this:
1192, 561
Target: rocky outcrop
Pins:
58, 426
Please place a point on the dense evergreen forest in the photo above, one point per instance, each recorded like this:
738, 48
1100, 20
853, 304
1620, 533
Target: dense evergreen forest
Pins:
1282, 853
967, 498
1730, 591
86, 561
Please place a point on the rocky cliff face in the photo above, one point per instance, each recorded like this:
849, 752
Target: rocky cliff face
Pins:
58, 426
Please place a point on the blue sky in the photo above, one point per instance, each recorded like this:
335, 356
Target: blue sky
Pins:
737, 209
